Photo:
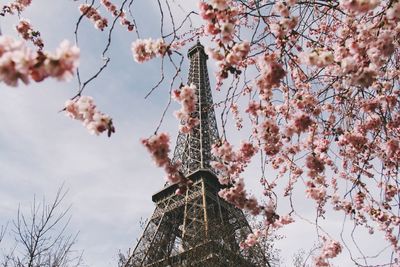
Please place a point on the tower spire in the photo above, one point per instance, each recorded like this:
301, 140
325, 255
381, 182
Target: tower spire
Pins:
193, 150
197, 228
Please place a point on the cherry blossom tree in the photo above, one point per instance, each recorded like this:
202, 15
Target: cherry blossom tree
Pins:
313, 85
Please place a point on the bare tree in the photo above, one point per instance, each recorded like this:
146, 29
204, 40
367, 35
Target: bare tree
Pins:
41, 238
300, 258
267, 241
2, 232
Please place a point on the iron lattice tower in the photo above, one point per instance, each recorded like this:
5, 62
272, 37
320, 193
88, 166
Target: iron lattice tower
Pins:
197, 228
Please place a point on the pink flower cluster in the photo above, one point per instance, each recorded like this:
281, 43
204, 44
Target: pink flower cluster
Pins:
18, 62
283, 220
236, 116
158, 146
238, 53
231, 163
20, 5
392, 148
359, 200
316, 191
318, 58
221, 18
229, 166
84, 109
230, 59
315, 164
268, 132
393, 13
187, 97
359, 6
237, 195
353, 142
271, 74
121, 14
287, 22
381, 49
25, 30
330, 250
146, 49
94, 15
60, 65
251, 240
17, 6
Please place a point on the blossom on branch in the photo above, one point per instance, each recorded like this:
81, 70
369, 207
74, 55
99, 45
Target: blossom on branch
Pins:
237, 195
120, 13
16, 61
231, 163
187, 97
84, 109
221, 17
94, 15
330, 249
319, 59
251, 240
25, 30
359, 6
17, 6
19, 63
146, 49
158, 147
63, 63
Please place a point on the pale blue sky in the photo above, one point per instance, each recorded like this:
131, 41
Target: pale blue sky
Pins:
110, 180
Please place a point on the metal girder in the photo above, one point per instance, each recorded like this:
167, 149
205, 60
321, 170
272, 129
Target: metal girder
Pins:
193, 150
182, 224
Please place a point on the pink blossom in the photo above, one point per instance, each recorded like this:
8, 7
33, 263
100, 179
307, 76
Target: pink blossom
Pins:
281, 8
158, 146
268, 132
236, 116
359, 6
318, 58
316, 192
94, 15
393, 13
330, 249
251, 240
187, 97
302, 122
84, 109
63, 63
221, 19
25, 30
237, 195
231, 163
283, 220
16, 61
271, 75
115, 12
220, 4
146, 49
238, 53
17, 6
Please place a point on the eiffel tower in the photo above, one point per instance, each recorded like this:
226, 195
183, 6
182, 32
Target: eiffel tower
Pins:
197, 228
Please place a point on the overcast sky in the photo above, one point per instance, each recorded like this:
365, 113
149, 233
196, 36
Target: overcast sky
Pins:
110, 180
